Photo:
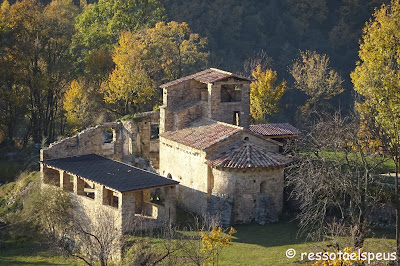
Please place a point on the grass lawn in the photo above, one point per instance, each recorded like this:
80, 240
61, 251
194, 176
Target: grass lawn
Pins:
385, 165
25, 250
252, 245
266, 245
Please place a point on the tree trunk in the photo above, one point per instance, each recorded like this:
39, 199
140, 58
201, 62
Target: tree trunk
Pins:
358, 236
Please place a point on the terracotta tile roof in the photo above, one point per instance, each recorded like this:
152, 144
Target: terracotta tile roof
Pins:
202, 137
248, 156
274, 129
113, 174
206, 76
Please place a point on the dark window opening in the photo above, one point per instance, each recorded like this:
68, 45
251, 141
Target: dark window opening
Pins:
236, 118
69, 186
114, 202
155, 130
108, 135
157, 196
231, 93
51, 176
89, 190
110, 198
263, 187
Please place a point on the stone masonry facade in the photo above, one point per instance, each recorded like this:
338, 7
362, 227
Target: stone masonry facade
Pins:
205, 144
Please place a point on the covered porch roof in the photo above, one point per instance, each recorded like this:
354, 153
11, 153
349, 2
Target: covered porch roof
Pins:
113, 174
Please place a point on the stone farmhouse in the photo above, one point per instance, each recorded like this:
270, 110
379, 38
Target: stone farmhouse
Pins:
204, 155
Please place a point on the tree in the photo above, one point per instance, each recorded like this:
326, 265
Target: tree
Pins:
376, 79
78, 105
148, 58
264, 95
48, 209
214, 241
174, 50
40, 39
83, 100
98, 238
333, 179
99, 25
259, 58
306, 11
13, 96
314, 77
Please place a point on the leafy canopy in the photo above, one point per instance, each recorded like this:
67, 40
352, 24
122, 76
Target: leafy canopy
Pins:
99, 25
377, 74
146, 59
313, 76
264, 94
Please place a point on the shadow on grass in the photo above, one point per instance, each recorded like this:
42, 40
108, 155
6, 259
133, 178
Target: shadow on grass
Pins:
387, 233
5, 261
268, 235
20, 248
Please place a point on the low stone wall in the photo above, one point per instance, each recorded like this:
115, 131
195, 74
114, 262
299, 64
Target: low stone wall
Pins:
89, 141
188, 115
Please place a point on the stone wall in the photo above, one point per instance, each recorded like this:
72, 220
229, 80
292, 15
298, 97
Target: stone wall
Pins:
186, 165
187, 115
138, 137
89, 141
239, 196
133, 211
183, 93
249, 190
131, 139
202, 100
224, 111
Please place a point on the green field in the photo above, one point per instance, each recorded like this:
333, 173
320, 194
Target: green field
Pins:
252, 245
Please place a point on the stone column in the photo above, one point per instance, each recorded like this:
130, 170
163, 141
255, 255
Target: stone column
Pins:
208, 111
170, 203
126, 206
245, 114
64, 180
79, 185
99, 194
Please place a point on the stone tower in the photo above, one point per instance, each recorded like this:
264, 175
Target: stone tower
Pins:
211, 93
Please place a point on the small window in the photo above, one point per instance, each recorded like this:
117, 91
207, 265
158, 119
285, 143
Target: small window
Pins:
236, 117
263, 187
231, 93
155, 130
108, 135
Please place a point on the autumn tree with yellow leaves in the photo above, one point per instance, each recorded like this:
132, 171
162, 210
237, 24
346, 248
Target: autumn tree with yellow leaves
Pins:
376, 79
313, 76
214, 241
146, 59
265, 94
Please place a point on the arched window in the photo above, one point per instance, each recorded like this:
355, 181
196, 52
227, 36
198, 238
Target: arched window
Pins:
169, 176
263, 187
